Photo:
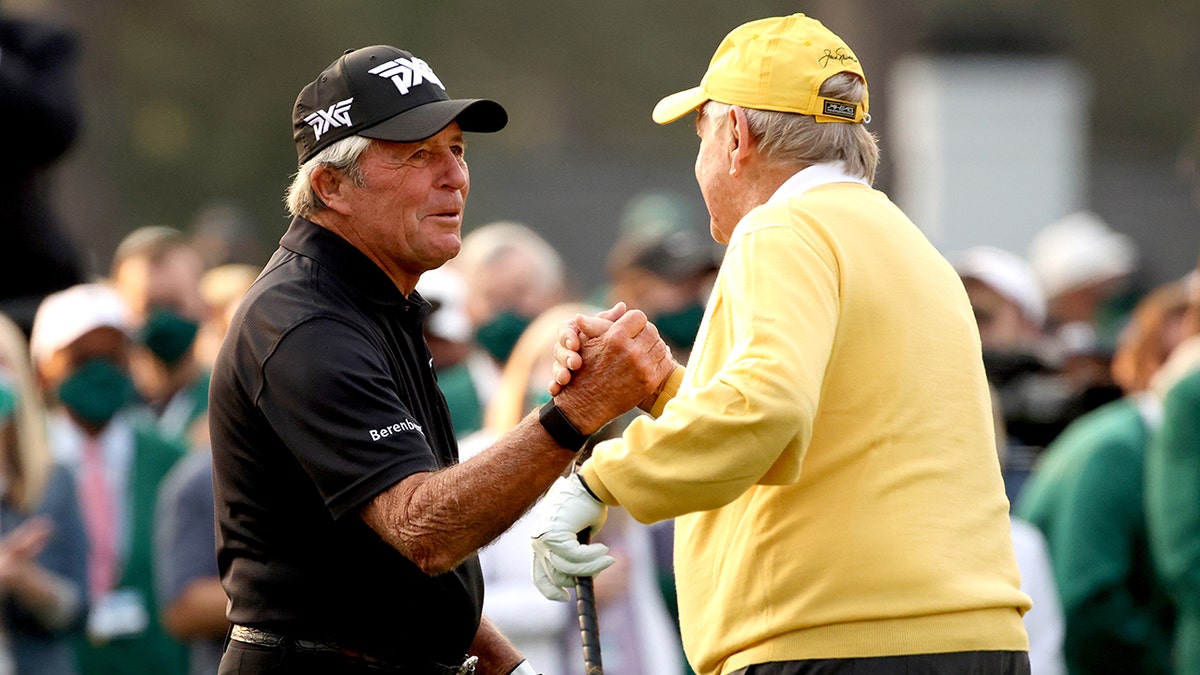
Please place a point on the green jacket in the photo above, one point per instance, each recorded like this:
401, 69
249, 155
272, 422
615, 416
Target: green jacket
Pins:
151, 651
466, 412
1085, 496
1173, 511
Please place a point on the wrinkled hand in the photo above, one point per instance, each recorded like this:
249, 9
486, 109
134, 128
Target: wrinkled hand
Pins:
612, 366
558, 556
570, 341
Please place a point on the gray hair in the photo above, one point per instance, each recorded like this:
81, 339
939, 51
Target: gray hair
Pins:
791, 137
342, 156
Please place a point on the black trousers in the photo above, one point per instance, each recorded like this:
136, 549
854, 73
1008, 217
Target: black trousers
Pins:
242, 658
246, 659
956, 663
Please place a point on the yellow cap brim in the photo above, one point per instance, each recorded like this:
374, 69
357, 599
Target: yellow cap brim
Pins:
677, 105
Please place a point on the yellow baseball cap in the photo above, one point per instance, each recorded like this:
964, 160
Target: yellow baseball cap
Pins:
775, 64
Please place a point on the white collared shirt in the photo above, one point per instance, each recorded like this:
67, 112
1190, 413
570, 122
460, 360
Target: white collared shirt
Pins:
813, 176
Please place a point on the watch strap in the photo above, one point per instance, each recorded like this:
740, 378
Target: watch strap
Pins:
560, 428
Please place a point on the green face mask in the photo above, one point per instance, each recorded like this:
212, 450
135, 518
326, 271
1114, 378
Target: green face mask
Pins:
96, 391
680, 328
168, 334
500, 335
8, 399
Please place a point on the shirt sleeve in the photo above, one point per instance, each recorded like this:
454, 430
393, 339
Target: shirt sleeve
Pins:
330, 395
770, 333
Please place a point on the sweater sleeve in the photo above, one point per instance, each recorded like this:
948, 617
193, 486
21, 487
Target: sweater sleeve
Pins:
744, 413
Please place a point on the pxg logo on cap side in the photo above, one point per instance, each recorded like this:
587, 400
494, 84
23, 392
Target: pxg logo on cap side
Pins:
840, 109
407, 73
336, 115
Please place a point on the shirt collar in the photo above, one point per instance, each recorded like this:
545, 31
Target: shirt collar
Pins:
813, 176
346, 262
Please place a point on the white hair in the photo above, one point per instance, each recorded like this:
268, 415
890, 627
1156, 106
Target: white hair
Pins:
342, 156
792, 138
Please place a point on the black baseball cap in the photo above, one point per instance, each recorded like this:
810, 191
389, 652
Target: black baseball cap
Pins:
385, 93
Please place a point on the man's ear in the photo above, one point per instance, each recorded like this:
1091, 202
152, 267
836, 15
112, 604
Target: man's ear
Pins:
743, 144
330, 186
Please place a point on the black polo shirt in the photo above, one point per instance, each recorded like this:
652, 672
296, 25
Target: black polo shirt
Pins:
322, 397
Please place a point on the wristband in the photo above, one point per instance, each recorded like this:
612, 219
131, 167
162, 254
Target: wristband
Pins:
560, 428
523, 668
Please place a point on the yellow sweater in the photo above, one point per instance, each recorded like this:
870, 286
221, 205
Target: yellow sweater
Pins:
829, 451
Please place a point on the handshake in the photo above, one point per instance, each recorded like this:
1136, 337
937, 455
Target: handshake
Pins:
606, 388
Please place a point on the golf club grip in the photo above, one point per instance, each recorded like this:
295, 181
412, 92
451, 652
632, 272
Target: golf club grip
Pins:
589, 627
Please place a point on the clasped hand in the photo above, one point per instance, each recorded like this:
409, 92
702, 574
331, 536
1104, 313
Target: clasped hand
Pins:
632, 380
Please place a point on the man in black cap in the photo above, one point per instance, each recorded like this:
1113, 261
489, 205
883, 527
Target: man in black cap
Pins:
347, 530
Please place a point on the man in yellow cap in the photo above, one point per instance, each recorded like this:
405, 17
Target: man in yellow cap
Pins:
828, 453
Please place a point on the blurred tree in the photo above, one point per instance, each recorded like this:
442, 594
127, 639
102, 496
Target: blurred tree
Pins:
187, 103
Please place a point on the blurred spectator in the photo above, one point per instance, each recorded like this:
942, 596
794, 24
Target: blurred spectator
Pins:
221, 288
1172, 477
40, 108
1086, 271
649, 216
157, 272
1042, 386
191, 598
457, 363
223, 233
1008, 302
1086, 496
511, 274
1010, 311
192, 601
43, 548
667, 276
448, 330
637, 636
81, 348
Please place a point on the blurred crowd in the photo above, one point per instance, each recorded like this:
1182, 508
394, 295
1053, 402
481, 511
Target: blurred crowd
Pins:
107, 556
107, 543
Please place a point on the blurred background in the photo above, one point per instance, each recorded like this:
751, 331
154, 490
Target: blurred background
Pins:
996, 116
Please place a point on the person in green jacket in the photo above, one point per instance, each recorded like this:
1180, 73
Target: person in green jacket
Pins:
1172, 495
1086, 497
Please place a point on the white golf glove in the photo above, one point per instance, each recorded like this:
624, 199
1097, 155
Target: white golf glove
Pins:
558, 557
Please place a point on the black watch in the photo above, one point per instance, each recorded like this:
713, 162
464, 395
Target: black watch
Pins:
560, 428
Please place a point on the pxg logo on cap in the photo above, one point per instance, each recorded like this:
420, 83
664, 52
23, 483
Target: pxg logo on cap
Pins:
385, 93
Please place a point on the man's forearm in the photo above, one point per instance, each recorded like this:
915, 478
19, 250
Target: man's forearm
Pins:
438, 519
497, 656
